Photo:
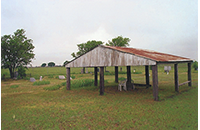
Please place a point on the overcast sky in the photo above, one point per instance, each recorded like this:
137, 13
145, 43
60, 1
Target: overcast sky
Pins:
57, 26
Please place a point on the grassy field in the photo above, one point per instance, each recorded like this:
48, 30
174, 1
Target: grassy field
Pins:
49, 105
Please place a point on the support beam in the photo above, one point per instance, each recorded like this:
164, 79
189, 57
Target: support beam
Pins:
147, 75
176, 77
95, 76
189, 75
101, 80
155, 82
128, 84
116, 74
68, 79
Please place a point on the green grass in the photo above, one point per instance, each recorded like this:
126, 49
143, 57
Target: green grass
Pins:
14, 86
54, 87
30, 107
41, 82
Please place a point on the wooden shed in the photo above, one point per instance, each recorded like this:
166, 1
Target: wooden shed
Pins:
103, 56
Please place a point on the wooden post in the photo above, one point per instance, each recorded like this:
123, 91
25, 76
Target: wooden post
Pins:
101, 80
176, 77
68, 79
116, 74
147, 75
128, 84
95, 76
155, 82
189, 75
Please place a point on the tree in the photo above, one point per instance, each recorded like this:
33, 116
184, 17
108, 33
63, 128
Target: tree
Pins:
85, 47
16, 50
43, 64
51, 64
22, 71
65, 63
119, 41
195, 65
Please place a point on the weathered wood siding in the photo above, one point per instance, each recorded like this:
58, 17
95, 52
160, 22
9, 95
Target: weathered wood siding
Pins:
102, 56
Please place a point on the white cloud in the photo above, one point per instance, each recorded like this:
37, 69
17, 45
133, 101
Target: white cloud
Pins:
99, 35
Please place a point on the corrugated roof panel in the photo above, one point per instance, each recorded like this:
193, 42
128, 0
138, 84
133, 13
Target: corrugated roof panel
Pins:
153, 55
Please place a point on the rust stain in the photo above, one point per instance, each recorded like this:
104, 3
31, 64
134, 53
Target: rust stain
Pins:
157, 56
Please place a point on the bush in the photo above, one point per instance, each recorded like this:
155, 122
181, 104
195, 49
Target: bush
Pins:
21, 71
54, 87
195, 65
41, 82
14, 86
73, 77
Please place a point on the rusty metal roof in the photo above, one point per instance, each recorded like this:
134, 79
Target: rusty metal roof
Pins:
153, 55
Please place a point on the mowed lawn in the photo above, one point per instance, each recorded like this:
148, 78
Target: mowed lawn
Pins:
28, 106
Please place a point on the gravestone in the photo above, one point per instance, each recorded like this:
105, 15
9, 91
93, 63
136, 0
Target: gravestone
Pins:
40, 78
167, 69
61, 77
32, 79
81, 71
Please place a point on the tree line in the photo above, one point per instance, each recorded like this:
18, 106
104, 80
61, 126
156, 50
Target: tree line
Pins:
17, 50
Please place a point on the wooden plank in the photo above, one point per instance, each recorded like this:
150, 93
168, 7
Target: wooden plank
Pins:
128, 83
116, 74
101, 80
184, 83
189, 75
68, 79
95, 76
176, 77
147, 75
155, 82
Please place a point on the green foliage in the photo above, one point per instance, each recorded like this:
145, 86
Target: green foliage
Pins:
51, 64
22, 71
119, 41
41, 82
82, 83
85, 47
16, 50
54, 87
122, 72
121, 78
73, 77
43, 64
50, 76
14, 86
65, 63
195, 65
137, 72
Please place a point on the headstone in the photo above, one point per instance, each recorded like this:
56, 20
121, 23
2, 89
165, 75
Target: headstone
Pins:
15, 75
32, 79
81, 71
40, 78
167, 69
62, 77
70, 78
